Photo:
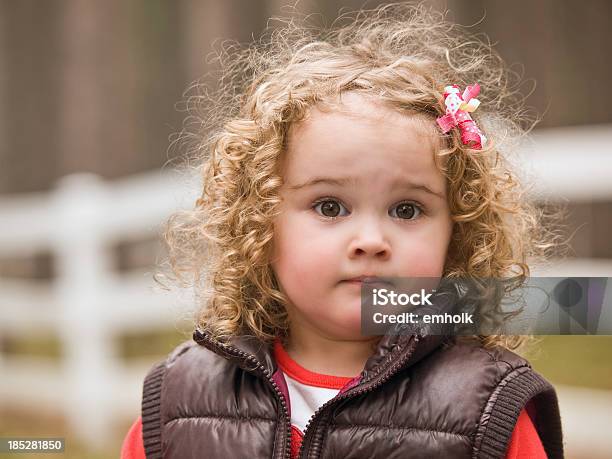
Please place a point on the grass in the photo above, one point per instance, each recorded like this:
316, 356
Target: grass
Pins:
19, 423
575, 360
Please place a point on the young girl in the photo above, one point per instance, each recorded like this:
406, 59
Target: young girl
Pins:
355, 154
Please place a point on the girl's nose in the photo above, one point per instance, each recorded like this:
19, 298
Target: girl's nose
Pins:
370, 242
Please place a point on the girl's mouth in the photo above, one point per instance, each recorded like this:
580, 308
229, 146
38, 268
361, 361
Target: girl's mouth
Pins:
373, 282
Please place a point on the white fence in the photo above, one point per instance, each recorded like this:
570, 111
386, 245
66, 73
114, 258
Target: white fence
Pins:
89, 302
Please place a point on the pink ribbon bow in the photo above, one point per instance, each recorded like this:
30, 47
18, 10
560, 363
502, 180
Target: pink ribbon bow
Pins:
458, 107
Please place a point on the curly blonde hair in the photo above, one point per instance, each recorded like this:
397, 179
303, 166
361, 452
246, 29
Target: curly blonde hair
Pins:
402, 54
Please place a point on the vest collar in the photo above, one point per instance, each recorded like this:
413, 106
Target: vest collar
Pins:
402, 346
246, 351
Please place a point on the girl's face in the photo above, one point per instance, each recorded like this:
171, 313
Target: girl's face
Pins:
362, 196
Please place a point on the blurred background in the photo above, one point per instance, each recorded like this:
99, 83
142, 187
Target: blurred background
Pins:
88, 107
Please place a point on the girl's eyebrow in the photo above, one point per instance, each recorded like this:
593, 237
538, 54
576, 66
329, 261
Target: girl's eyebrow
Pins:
352, 181
325, 180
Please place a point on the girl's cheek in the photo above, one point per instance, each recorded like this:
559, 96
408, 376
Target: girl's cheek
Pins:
425, 258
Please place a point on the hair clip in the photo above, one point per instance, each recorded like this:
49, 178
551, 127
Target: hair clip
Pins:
458, 107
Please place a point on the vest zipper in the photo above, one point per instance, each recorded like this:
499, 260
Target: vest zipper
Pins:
286, 451
357, 390
361, 388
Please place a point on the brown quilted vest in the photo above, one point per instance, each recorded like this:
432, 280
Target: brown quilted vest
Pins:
418, 397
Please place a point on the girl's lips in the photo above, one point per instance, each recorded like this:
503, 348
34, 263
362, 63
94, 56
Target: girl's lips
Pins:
374, 283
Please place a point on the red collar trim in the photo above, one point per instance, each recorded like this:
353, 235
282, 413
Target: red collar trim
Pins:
301, 374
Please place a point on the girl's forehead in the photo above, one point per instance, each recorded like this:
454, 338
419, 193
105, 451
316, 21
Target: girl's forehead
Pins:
362, 139
353, 117
366, 109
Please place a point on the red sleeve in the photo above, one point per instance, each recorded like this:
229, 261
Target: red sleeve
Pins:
525, 442
133, 447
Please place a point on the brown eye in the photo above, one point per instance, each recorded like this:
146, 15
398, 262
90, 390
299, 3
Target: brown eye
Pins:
329, 208
406, 211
